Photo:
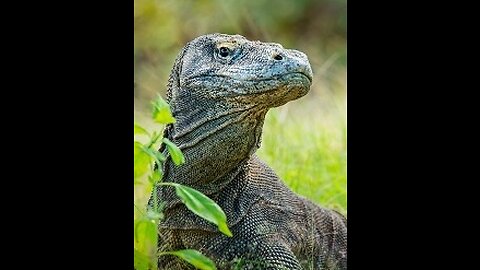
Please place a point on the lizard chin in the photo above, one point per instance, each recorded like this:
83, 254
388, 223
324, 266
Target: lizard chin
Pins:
298, 79
292, 86
303, 75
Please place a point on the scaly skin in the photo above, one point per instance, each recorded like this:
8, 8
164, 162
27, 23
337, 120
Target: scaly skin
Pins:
220, 89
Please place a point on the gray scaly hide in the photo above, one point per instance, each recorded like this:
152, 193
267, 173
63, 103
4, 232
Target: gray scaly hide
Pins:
220, 89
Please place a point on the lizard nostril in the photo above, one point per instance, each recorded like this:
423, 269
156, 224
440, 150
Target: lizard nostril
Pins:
278, 57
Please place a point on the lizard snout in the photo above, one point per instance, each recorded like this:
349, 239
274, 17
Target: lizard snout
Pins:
299, 63
292, 61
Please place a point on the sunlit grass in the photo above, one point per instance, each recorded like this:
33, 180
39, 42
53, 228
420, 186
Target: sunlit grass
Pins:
306, 148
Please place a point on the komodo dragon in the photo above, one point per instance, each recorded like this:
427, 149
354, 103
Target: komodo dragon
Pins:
219, 90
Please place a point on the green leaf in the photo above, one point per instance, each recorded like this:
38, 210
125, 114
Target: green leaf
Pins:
155, 155
154, 140
156, 175
223, 227
141, 160
193, 257
145, 231
161, 111
140, 260
154, 215
138, 130
204, 207
145, 236
158, 158
175, 152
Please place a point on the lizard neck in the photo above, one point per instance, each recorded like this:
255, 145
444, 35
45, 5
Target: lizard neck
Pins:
215, 141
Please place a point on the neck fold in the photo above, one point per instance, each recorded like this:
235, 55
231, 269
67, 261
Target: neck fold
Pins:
215, 143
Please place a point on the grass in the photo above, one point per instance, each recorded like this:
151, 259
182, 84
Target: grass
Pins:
306, 147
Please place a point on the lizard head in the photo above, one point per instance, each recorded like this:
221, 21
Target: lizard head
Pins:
230, 67
219, 91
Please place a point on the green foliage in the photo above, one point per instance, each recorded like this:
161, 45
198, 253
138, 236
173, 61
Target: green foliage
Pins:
141, 261
146, 224
193, 257
145, 236
138, 130
174, 151
161, 112
141, 160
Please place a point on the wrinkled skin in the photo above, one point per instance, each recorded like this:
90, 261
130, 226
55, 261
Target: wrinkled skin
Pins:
220, 89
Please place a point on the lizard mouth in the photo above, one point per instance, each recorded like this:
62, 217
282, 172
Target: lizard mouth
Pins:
288, 78
285, 76
302, 74
299, 80
272, 78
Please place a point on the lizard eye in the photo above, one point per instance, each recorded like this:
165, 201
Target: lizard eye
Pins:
224, 51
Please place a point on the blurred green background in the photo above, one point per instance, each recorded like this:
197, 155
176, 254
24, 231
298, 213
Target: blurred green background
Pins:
303, 141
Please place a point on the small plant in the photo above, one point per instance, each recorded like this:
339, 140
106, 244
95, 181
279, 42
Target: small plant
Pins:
146, 177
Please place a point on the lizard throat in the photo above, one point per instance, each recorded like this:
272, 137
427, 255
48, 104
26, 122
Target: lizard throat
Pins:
214, 147
214, 152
